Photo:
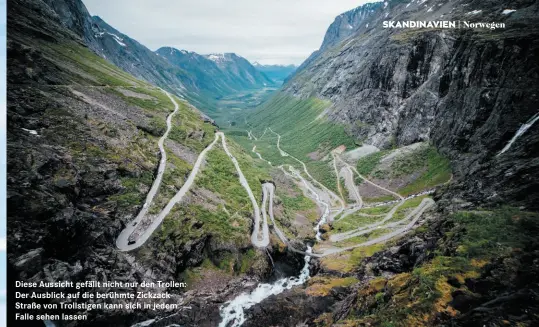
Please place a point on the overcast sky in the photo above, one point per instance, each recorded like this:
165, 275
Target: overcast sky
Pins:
268, 31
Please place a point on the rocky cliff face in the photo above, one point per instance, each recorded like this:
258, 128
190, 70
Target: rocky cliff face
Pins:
472, 94
348, 23
468, 91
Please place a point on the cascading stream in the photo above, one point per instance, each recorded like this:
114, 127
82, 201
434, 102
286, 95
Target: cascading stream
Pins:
234, 310
520, 131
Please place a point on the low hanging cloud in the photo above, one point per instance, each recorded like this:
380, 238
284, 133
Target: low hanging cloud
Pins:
268, 31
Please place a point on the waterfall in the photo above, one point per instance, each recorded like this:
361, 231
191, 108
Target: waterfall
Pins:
520, 131
234, 310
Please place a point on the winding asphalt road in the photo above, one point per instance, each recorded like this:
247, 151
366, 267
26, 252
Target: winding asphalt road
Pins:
349, 180
326, 211
331, 193
268, 192
416, 214
337, 176
269, 188
353, 169
255, 236
122, 242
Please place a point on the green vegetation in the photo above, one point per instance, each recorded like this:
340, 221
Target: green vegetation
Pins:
364, 238
220, 176
303, 129
323, 172
88, 68
131, 195
420, 297
297, 202
353, 221
368, 163
294, 202
230, 110
433, 168
216, 222
189, 130
158, 101
377, 210
437, 171
322, 286
253, 173
346, 262
247, 260
406, 208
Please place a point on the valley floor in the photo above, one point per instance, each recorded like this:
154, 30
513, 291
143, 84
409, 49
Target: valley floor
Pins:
359, 221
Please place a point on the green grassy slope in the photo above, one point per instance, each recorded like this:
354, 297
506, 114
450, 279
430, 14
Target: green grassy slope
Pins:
303, 131
477, 248
428, 166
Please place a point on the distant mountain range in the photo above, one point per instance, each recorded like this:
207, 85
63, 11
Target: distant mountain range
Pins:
199, 78
222, 74
277, 73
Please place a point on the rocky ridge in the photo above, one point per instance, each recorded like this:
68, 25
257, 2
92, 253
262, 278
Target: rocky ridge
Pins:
466, 90
180, 76
222, 74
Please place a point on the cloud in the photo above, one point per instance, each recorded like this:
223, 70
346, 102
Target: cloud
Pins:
270, 31
3, 243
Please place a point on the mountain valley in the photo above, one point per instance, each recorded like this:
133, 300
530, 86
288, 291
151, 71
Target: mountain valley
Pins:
390, 180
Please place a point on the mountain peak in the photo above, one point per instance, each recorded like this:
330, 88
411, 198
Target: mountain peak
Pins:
223, 57
172, 51
217, 57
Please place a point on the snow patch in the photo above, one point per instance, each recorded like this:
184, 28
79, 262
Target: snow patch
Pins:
508, 11
117, 39
216, 57
31, 131
120, 43
475, 12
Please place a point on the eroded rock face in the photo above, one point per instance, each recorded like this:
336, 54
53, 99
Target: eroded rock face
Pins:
290, 308
467, 91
